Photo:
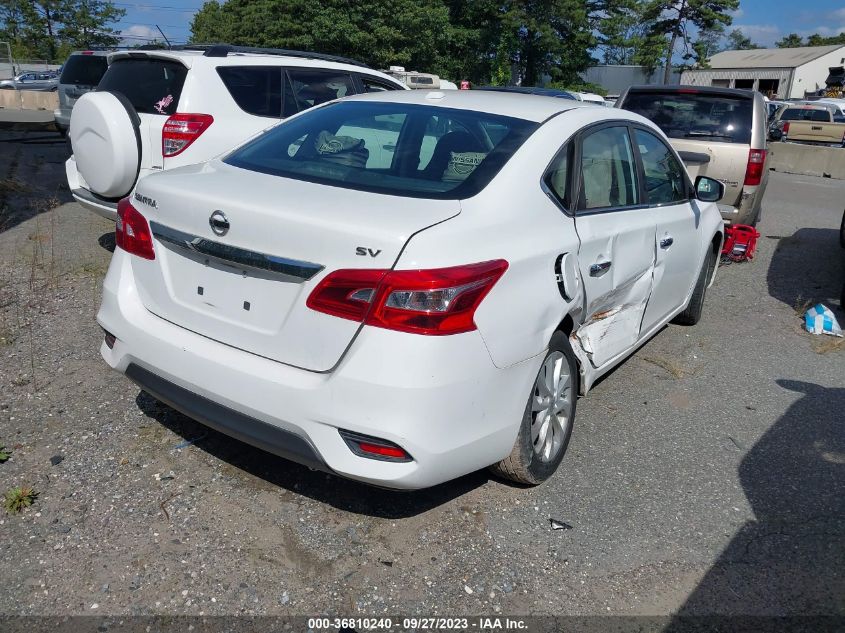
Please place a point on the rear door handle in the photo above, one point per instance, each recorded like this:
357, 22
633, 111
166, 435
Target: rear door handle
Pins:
597, 270
666, 242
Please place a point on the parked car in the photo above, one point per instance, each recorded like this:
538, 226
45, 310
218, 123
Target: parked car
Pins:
405, 287
719, 132
817, 111
81, 73
814, 123
159, 109
43, 81
543, 92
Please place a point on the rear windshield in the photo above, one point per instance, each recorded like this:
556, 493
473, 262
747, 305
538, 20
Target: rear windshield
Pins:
722, 118
800, 114
153, 86
83, 70
400, 149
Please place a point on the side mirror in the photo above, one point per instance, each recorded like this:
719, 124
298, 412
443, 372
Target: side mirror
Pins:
708, 189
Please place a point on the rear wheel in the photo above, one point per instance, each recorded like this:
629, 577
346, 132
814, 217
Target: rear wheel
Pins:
692, 314
547, 422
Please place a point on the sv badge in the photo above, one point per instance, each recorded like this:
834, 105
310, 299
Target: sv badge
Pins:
363, 252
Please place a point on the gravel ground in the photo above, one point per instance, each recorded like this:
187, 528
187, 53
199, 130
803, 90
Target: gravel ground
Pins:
705, 475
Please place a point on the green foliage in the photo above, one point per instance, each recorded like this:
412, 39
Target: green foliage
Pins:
626, 37
737, 41
793, 40
50, 29
673, 19
580, 86
479, 40
5, 454
16, 499
709, 43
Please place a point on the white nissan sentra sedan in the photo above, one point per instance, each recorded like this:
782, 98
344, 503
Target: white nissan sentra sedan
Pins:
401, 288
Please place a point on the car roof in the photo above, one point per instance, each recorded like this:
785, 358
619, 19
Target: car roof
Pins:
709, 90
237, 58
522, 106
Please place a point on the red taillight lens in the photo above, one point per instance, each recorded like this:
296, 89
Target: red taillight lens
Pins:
440, 301
180, 130
754, 171
784, 131
374, 447
131, 231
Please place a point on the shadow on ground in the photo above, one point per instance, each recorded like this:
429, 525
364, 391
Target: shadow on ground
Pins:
791, 560
343, 494
32, 175
807, 267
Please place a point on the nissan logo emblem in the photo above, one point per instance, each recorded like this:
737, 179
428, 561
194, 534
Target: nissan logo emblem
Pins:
219, 223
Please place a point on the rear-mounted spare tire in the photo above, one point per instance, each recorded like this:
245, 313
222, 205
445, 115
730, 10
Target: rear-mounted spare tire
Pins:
106, 140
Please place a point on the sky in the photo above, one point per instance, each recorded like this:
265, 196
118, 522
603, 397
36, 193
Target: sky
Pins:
764, 21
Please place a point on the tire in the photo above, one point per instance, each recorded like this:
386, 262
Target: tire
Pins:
529, 463
692, 314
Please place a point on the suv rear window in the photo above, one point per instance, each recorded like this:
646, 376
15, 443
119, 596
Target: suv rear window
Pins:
400, 149
696, 115
808, 114
153, 86
83, 70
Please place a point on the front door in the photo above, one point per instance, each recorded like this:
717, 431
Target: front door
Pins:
677, 246
617, 232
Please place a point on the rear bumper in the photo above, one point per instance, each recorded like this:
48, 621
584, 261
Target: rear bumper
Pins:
748, 209
88, 199
439, 398
62, 120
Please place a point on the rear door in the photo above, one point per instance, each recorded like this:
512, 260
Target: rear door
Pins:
81, 74
617, 232
153, 86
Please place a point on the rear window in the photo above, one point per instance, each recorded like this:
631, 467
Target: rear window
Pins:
801, 114
256, 89
83, 70
722, 118
400, 149
153, 86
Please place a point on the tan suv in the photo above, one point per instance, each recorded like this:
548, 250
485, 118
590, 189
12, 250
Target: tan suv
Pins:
719, 133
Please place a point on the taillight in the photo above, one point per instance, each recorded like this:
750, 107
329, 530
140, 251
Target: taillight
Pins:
131, 231
754, 171
784, 131
374, 447
437, 302
180, 130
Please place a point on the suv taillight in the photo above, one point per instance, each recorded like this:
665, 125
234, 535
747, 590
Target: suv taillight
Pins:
436, 302
754, 171
180, 130
131, 231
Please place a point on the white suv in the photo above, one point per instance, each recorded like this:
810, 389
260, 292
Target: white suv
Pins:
403, 288
159, 109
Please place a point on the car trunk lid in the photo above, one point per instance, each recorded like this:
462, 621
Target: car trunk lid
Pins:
247, 286
726, 162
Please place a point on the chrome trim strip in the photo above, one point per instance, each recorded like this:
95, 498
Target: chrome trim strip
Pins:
233, 255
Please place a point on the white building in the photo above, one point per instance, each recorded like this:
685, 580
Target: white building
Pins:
785, 73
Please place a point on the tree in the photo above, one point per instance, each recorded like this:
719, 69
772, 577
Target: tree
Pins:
624, 37
708, 43
793, 40
87, 24
546, 37
49, 29
673, 18
737, 41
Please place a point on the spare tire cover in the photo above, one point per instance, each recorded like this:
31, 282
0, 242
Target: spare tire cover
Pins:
106, 143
